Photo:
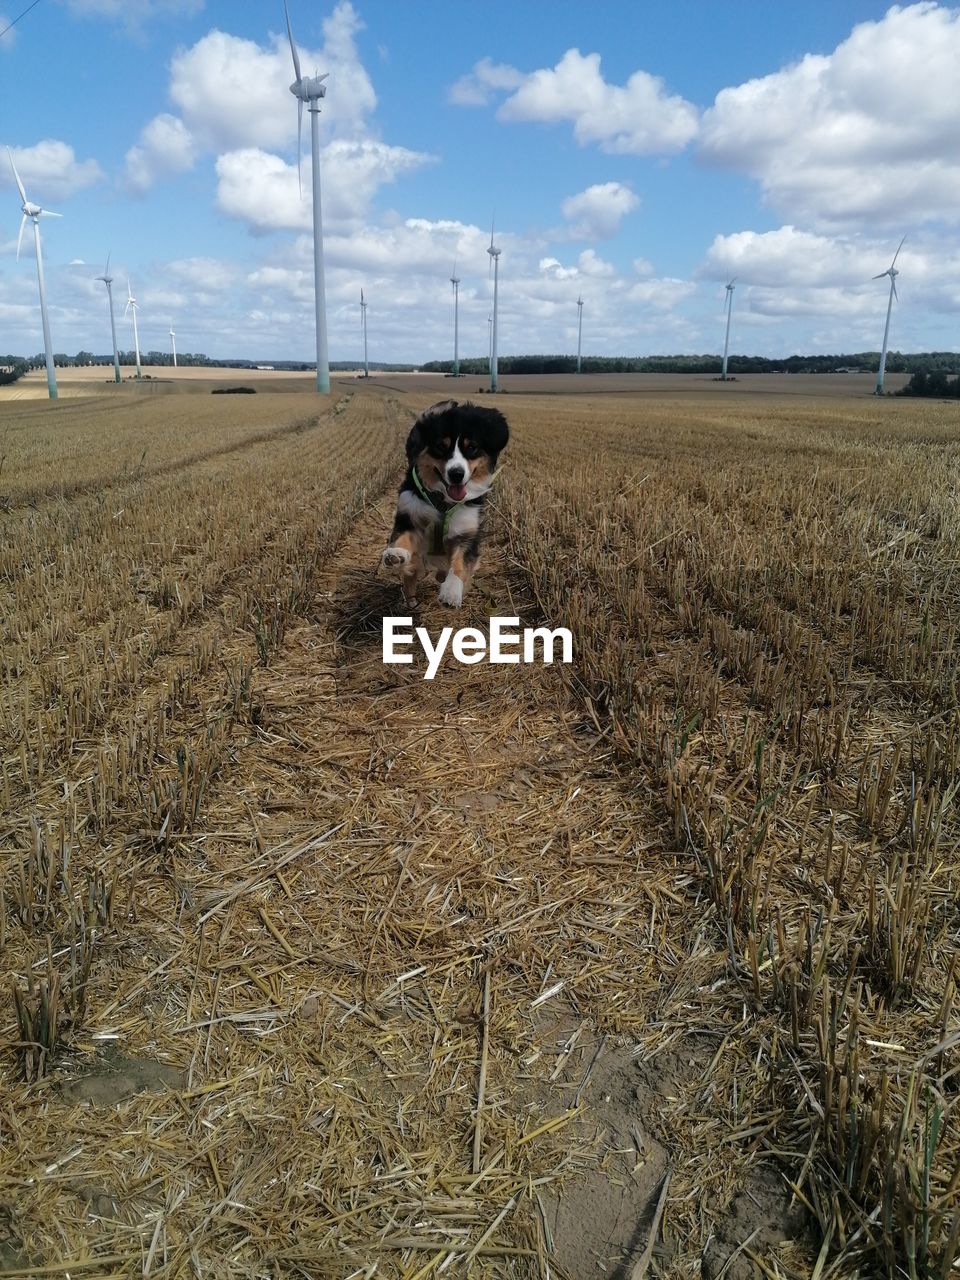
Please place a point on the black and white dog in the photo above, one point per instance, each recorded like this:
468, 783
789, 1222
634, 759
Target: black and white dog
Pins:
452, 453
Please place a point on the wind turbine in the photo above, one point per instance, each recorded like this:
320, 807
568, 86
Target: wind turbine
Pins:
726, 340
892, 272
311, 90
107, 279
494, 253
34, 212
173, 339
455, 281
579, 328
363, 318
134, 306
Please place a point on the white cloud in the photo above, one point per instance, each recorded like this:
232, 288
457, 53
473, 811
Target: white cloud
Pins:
262, 189
132, 11
166, 147
662, 294
233, 93
589, 264
865, 134
637, 118
789, 257
596, 213
50, 171
477, 88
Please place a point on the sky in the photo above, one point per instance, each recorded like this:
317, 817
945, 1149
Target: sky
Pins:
637, 156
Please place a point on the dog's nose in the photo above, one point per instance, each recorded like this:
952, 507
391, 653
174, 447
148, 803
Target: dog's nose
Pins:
455, 475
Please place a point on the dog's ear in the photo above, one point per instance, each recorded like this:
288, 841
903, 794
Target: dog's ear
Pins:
414, 443
490, 426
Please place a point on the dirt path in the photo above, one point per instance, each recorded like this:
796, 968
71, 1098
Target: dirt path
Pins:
383, 971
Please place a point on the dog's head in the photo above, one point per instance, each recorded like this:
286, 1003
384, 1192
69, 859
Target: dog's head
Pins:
454, 447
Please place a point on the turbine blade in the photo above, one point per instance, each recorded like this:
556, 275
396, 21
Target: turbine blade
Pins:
23, 222
897, 254
293, 47
23, 194
48, 213
299, 144
881, 275
106, 269
894, 286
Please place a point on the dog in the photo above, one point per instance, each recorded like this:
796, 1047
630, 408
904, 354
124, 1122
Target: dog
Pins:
452, 453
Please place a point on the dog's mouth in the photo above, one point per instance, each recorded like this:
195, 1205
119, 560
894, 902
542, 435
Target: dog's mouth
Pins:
456, 491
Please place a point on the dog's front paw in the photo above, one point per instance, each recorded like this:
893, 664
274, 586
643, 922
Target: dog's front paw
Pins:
451, 591
395, 558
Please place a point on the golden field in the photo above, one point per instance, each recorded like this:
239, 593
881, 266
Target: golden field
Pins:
645, 966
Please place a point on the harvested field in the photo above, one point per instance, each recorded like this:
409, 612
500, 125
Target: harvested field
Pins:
645, 966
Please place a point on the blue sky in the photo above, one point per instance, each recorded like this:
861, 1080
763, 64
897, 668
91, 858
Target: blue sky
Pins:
635, 155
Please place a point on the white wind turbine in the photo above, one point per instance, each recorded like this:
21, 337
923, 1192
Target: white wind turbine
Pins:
363, 320
579, 328
134, 306
173, 339
107, 279
455, 281
311, 90
34, 212
726, 340
892, 272
494, 253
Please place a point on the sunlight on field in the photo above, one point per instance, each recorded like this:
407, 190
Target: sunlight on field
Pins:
317, 964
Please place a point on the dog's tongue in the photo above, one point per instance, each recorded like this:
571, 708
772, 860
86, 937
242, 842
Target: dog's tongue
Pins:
457, 491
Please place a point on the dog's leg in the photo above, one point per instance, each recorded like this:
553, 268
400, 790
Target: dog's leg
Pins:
463, 555
405, 554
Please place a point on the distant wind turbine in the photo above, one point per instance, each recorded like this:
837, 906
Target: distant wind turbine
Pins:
134, 306
494, 253
363, 320
455, 281
107, 279
892, 272
173, 339
34, 213
726, 340
311, 90
579, 329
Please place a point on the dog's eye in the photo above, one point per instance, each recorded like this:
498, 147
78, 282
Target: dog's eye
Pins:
468, 449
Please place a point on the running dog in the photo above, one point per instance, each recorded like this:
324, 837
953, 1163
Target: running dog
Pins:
452, 453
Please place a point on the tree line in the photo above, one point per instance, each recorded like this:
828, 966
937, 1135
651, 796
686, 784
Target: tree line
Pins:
857, 362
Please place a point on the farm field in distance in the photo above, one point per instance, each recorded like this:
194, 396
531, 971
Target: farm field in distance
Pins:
642, 967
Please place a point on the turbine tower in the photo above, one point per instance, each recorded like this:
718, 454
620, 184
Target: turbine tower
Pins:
173, 339
892, 272
134, 306
311, 90
726, 340
363, 320
494, 253
579, 328
107, 279
34, 213
455, 281
489, 343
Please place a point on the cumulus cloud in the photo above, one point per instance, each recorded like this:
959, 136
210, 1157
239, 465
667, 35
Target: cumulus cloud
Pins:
232, 93
166, 147
864, 134
596, 213
263, 190
478, 87
51, 171
789, 256
638, 118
